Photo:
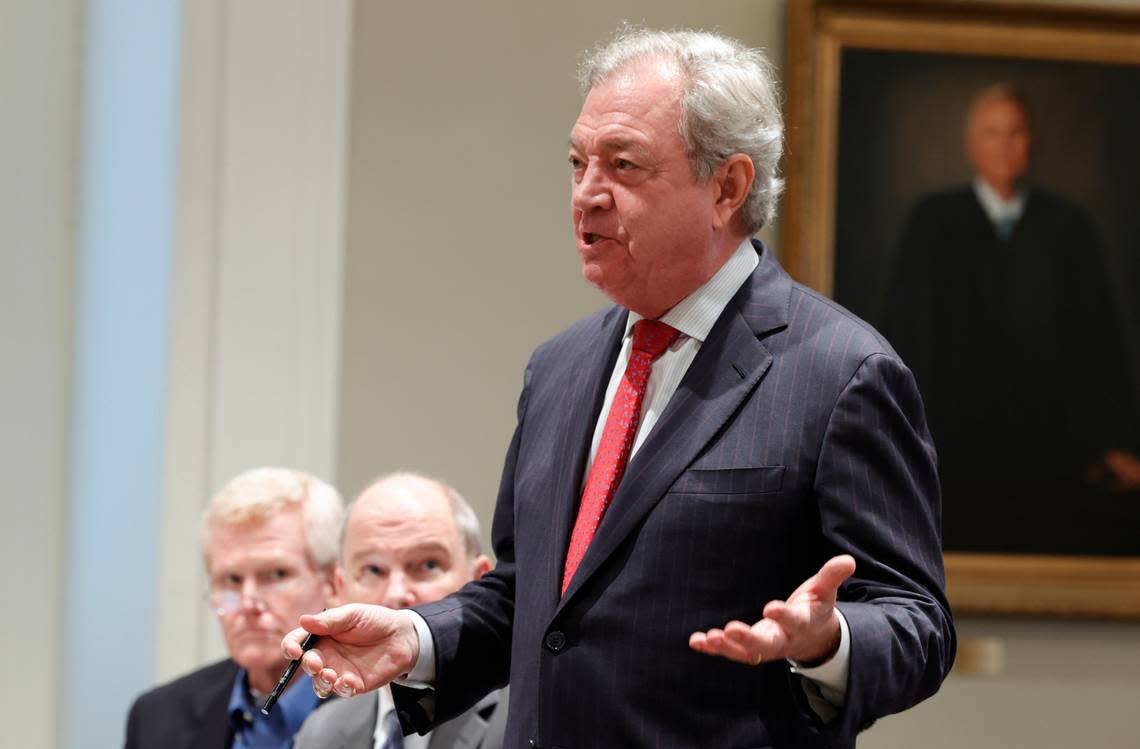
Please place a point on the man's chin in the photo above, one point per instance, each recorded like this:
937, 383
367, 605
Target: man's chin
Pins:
594, 276
263, 665
258, 653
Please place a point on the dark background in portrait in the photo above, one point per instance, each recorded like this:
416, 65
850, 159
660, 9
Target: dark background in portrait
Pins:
901, 137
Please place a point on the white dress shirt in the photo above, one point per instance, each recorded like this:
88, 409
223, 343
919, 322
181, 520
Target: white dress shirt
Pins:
385, 705
999, 210
694, 316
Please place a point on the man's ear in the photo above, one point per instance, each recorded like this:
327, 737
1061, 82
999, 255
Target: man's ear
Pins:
733, 180
481, 566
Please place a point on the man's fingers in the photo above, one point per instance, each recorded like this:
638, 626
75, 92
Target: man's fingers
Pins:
737, 627
327, 680
790, 619
751, 640
737, 641
291, 644
328, 622
716, 642
836, 570
773, 608
826, 582
707, 642
715, 637
348, 685
312, 663
787, 626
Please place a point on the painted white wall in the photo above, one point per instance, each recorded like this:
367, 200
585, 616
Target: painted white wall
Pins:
1065, 684
40, 57
255, 313
459, 261
460, 257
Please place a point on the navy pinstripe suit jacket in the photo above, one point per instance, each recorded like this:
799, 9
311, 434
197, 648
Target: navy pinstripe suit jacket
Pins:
796, 434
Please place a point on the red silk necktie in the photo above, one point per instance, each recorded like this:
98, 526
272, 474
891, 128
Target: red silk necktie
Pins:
650, 339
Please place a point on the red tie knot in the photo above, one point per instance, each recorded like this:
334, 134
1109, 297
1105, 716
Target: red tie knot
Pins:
653, 337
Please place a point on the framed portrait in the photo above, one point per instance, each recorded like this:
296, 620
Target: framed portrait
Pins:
966, 177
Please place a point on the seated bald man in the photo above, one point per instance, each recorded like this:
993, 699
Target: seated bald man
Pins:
269, 541
408, 540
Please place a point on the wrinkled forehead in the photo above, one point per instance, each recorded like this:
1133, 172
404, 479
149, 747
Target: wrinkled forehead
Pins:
256, 541
655, 79
401, 513
640, 103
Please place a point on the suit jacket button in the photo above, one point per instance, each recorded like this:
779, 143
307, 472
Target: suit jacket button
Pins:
533, 744
555, 641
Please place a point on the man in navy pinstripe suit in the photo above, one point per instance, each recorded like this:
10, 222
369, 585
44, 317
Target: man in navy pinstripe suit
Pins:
768, 571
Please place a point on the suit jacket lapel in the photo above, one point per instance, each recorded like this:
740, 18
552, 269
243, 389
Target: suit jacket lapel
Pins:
210, 713
349, 724
468, 729
358, 726
585, 389
725, 371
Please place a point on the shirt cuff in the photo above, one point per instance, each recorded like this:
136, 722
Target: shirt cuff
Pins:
422, 674
830, 676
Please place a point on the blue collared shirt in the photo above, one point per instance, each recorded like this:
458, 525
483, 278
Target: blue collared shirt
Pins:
252, 730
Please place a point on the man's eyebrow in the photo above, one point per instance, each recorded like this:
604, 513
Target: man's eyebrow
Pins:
616, 144
360, 554
272, 558
437, 547
431, 546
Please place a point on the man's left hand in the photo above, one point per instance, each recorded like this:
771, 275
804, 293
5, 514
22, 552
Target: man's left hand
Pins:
804, 628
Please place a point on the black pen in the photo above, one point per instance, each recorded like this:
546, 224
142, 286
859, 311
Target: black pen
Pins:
307, 644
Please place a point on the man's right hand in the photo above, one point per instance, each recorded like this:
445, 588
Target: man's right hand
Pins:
362, 647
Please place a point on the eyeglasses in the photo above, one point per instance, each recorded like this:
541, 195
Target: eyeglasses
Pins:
229, 595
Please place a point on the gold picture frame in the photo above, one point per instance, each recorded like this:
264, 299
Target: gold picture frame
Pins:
820, 33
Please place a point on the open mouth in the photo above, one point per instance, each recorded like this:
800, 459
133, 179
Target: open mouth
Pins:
591, 238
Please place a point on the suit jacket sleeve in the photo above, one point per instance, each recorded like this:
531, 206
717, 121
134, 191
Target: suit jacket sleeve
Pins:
877, 488
132, 741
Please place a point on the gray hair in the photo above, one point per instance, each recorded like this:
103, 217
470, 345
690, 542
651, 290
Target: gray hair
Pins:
466, 521
729, 104
256, 495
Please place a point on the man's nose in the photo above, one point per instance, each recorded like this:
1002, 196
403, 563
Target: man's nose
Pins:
400, 594
250, 597
592, 191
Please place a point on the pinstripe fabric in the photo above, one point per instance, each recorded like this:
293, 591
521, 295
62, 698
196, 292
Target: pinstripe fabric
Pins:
795, 434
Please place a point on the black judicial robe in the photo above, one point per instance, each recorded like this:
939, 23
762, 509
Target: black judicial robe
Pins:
1018, 350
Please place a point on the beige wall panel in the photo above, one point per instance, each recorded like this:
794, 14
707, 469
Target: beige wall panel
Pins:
40, 59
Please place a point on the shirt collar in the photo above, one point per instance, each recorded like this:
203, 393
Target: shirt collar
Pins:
695, 315
995, 207
283, 721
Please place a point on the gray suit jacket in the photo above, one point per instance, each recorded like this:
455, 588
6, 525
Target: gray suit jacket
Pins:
350, 724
